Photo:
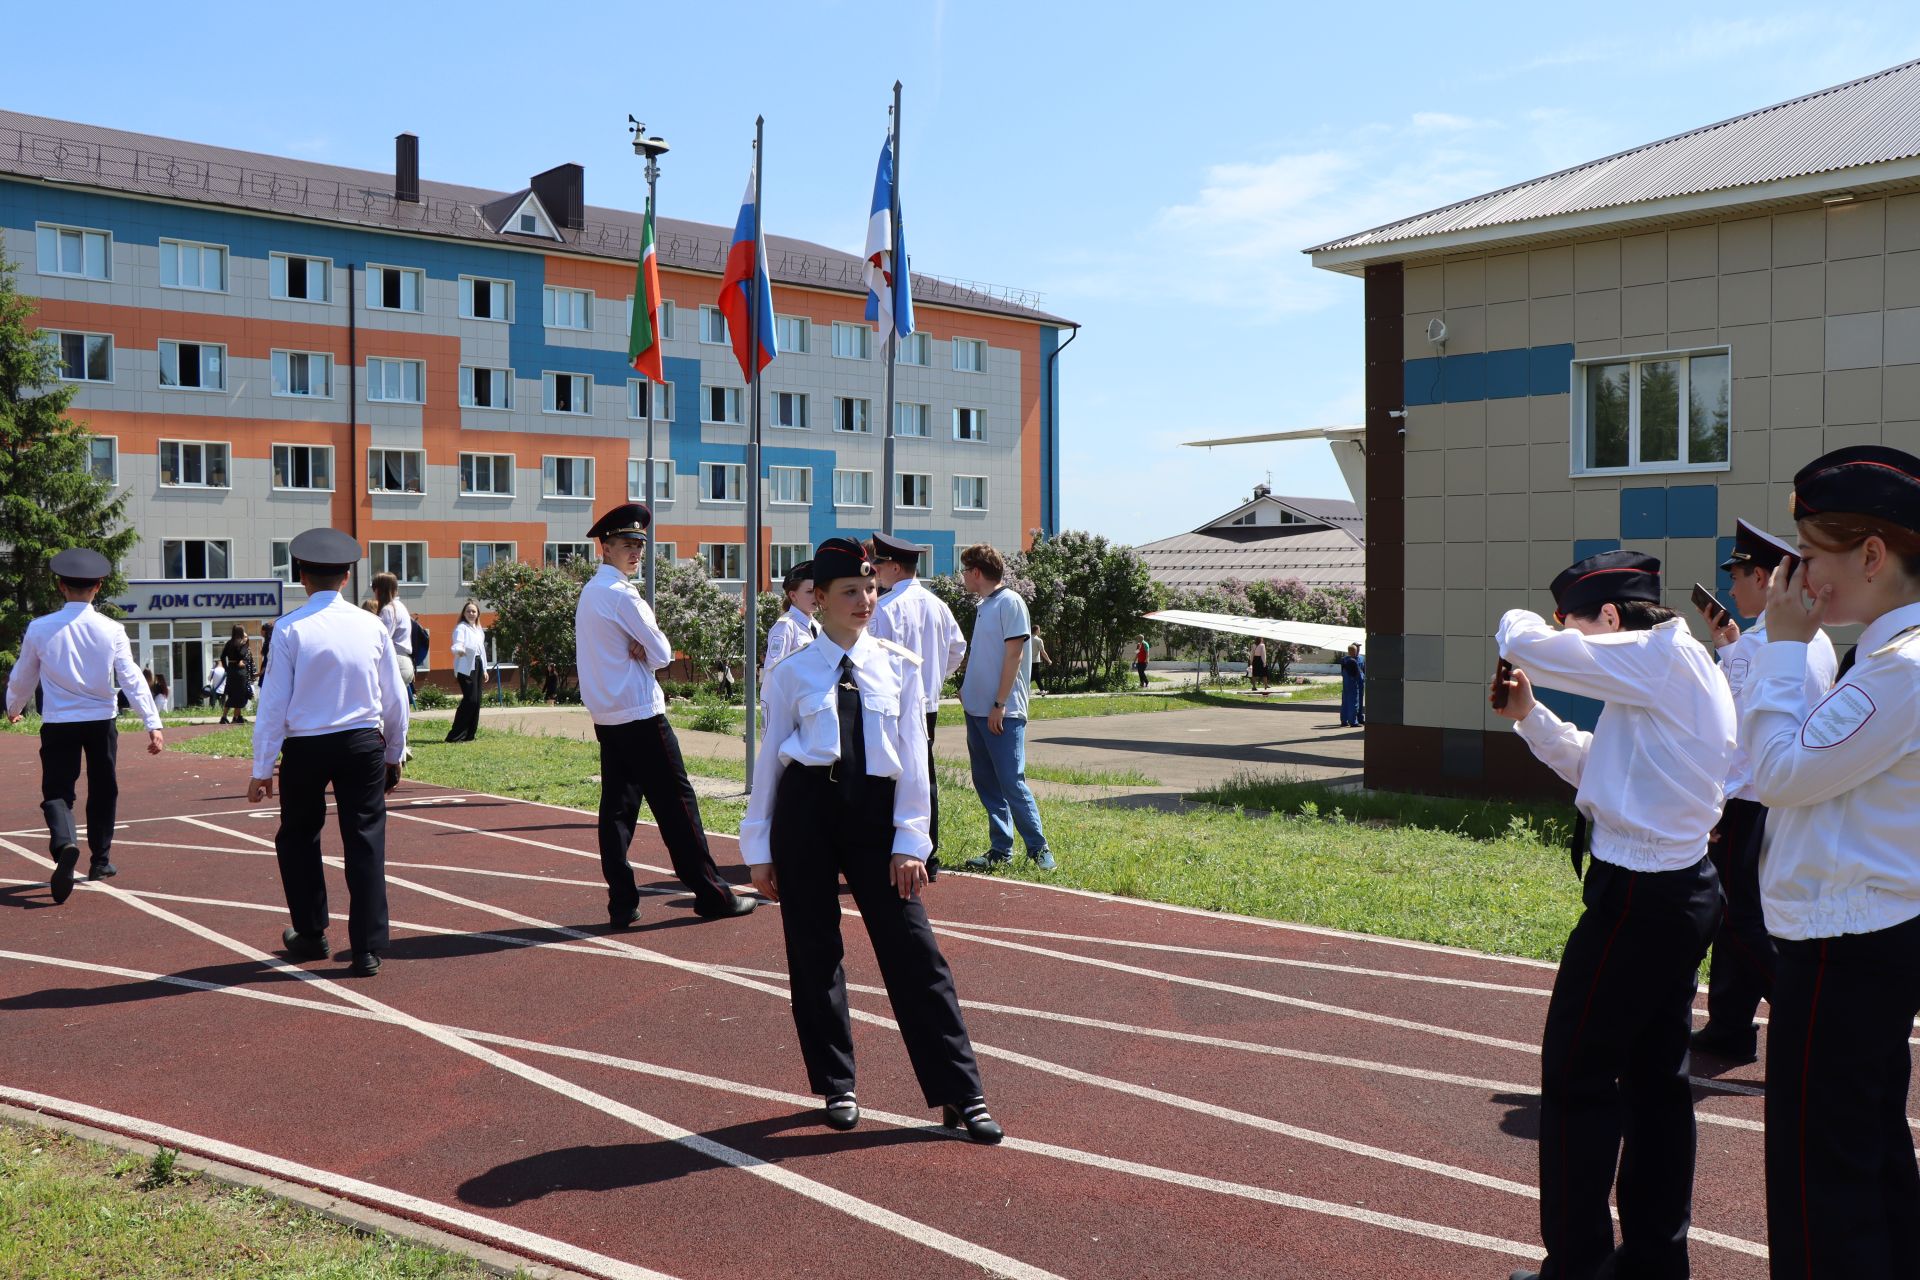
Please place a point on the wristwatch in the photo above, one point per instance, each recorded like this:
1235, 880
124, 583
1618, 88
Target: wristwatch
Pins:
999, 706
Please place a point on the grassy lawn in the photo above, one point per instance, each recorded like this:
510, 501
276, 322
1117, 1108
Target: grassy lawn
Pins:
1478, 819
74, 1210
30, 723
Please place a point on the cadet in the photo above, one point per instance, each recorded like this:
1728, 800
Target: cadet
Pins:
618, 647
1841, 881
843, 789
910, 615
77, 655
1613, 1059
334, 709
1743, 953
796, 626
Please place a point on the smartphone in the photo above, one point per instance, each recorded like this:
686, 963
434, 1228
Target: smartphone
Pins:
1703, 601
1501, 674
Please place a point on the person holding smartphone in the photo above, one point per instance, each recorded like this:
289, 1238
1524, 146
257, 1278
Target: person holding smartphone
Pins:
1614, 1087
1743, 951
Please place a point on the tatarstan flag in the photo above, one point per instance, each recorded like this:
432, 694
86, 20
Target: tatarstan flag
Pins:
643, 341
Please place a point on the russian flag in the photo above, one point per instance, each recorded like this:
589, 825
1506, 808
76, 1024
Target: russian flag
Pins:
887, 265
747, 271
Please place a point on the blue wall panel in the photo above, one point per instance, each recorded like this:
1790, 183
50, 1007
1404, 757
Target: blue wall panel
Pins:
1494, 375
1643, 513
1693, 511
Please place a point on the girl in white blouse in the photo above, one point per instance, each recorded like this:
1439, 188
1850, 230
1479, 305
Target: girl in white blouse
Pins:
843, 789
470, 669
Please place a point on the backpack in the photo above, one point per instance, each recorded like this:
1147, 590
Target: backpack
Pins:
420, 639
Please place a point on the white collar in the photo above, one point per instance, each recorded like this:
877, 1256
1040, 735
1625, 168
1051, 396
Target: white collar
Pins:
799, 616
1888, 625
863, 649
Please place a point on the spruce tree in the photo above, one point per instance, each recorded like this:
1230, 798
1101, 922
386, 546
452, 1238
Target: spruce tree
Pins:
49, 497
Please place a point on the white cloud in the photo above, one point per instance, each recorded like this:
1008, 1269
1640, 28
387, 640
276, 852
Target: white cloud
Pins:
1443, 122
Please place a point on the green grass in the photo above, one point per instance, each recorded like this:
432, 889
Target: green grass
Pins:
30, 723
1088, 777
1477, 819
75, 1210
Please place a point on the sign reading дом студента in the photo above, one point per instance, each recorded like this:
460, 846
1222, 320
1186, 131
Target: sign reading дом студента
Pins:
216, 599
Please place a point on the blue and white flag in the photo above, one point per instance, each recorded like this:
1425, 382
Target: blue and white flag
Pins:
889, 283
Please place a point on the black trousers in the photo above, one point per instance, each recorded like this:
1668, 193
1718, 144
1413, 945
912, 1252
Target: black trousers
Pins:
61, 748
1843, 1190
1743, 953
641, 758
1613, 1069
466, 717
815, 840
353, 763
933, 791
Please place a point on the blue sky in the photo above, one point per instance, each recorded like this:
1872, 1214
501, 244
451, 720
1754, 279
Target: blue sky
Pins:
1153, 177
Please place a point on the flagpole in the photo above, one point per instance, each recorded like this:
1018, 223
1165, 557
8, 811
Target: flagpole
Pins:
653, 391
750, 589
900, 281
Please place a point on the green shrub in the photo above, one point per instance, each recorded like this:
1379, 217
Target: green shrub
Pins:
431, 697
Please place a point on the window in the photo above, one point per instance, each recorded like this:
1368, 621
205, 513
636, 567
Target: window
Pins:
566, 308
193, 464
486, 475
663, 552
186, 265
969, 355
103, 458
666, 317
85, 357
194, 559
722, 482
851, 341
662, 480
406, 561
193, 366
915, 348
281, 554
299, 279
785, 556
790, 409
482, 299
792, 334
71, 251
1668, 412
713, 326
530, 223
640, 391
399, 380
912, 419
558, 554
568, 393
722, 404
396, 471
790, 485
853, 488
851, 414
486, 388
302, 373
562, 477
969, 424
969, 493
915, 490
303, 466
393, 289
723, 560
478, 557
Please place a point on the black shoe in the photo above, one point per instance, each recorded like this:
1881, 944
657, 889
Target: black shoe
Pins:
64, 860
972, 1113
365, 964
1736, 1047
305, 946
1521, 1273
101, 869
624, 919
989, 861
738, 904
843, 1112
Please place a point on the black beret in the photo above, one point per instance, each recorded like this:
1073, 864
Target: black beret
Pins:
325, 550
628, 520
898, 550
1861, 480
81, 565
802, 572
1756, 547
1608, 578
839, 558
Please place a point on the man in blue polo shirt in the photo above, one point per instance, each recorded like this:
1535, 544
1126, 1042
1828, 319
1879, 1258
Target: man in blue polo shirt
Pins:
994, 693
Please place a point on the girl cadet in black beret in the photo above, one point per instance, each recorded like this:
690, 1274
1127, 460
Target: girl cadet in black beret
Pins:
1840, 881
843, 790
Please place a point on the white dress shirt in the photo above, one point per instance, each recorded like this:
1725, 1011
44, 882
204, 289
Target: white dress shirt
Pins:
1736, 664
914, 617
803, 727
1650, 774
1841, 783
77, 655
790, 632
469, 643
616, 687
399, 622
334, 669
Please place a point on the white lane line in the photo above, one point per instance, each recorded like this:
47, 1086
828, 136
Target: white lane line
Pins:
818, 1192
526, 840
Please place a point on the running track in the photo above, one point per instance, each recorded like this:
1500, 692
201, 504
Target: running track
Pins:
1187, 1094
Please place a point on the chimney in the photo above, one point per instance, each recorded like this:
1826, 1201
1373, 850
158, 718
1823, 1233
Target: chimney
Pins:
1261, 491
406, 168
563, 194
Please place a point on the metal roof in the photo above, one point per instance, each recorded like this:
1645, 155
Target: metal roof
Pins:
38, 148
1317, 557
1869, 121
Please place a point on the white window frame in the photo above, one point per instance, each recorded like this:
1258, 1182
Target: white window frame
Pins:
664, 552
377, 288
207, 449
498, 465
379, 560
859, 337
382, 369
799, 398
497, 378
280, 561
496, 289
783, 556
550, 553
793, 335
736, 395
978, 419
277, 277
226, 552
735, 481
984, 494
381, 469
662, 481
666, 318
926, 486
633, 399
714, 320
1578, 432
841, 406
51, 267
60, 338
273, 475
855, 500
901, 414
280, 372
219, 365
550, 298
733, 556
113, 461
581, 393
790, 479
497, 552
178, 249
550, 476
915, 344
978, 346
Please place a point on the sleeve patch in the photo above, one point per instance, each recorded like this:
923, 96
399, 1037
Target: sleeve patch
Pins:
1846, 710
1736, 671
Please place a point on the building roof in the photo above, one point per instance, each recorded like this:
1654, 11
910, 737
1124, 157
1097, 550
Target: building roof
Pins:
1330, 553
35, 147
1336, 512
1780, 151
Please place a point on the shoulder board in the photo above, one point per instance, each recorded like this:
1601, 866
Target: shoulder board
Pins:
1900, 641
900, 649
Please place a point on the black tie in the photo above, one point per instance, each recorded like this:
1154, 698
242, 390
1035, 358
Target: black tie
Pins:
1846, 663
852, 773
813, 629
1578, 846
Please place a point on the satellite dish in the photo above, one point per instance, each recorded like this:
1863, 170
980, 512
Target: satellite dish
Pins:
1437, 331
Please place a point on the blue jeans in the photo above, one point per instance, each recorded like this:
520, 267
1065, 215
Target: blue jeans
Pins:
1000, 776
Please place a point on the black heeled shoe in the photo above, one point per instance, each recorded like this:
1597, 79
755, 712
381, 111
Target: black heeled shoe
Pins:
843, 1112
981, 1127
